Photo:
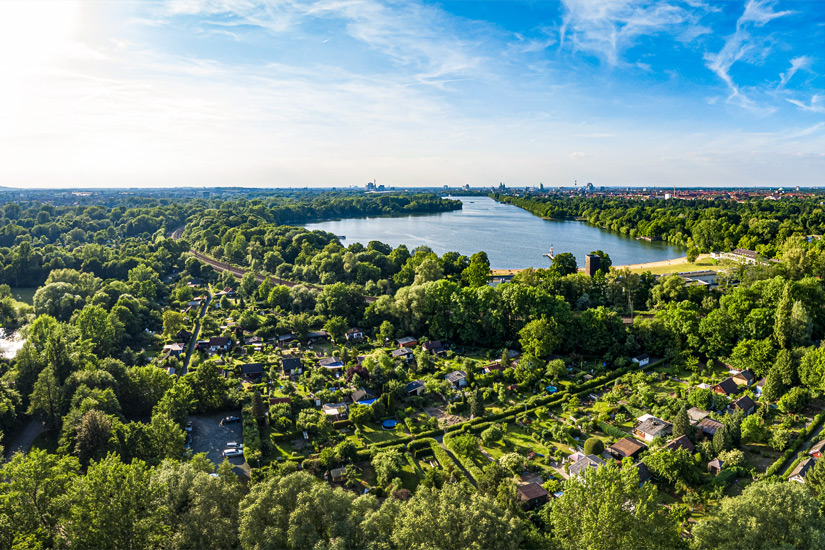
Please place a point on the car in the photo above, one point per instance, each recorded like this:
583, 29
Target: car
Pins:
229, 453
234, 445
189, 427
230, 420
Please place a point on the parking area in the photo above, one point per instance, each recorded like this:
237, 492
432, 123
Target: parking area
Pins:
208, 436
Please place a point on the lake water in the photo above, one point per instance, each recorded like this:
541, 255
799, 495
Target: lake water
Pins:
511, 237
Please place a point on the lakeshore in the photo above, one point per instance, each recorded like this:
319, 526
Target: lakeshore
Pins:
703, 262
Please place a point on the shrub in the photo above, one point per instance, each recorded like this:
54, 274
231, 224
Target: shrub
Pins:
593, 446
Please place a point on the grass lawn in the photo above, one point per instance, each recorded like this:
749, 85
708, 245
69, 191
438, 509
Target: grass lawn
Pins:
24, 294
372, 433
681, 264
409, 477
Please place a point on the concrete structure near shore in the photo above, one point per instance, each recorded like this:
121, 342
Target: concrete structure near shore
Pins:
592, 264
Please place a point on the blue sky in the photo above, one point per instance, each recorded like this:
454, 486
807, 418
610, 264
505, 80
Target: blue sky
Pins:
339, 92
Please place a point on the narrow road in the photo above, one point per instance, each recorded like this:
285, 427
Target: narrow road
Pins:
195, 333
805, 446
23, 441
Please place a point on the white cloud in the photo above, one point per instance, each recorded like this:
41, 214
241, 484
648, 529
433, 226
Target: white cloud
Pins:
607, 28
577, 155
797, 63
741, 46
816, 105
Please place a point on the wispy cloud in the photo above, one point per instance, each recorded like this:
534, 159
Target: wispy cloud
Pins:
606, 28
797, 63
816, 105
742, 46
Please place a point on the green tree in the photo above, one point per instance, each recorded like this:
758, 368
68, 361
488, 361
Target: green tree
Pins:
608, 509
681, 424
753, 429
428, 521
113, 507
477, 273
166, 437
33, 499
387, 465
593, 446
564, 263
540, 337
337, 328
173, 322
773, 388
44, 402
765, 515
93, 434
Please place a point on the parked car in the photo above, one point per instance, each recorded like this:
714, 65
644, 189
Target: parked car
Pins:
229, 453
230, 420
234, 445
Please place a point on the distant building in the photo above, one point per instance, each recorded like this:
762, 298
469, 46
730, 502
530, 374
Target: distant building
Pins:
592, 264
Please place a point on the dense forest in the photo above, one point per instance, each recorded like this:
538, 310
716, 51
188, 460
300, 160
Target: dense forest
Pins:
761, 225
116, 467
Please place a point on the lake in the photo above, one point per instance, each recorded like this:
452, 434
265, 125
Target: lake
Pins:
511, 237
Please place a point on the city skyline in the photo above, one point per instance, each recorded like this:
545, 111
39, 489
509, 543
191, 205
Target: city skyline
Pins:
413, 94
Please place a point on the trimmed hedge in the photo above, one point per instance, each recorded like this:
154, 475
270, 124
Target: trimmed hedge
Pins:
612, 430
801, 440
469, 465
421, 444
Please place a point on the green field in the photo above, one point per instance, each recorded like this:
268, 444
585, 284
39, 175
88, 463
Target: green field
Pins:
24, 294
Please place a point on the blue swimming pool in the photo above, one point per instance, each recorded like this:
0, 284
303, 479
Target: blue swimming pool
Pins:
388, 424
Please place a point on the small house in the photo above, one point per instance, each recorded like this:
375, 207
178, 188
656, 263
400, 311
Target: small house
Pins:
219, 344
416, 387
291, 365
715, 466
744, 404
697, 415
355, 335
709, 426
317, 335
407, 342
801, 471
434, 347
402, 353
362, 397
331, 363
338, 474
644, 473
286, 338
587, 461
817, 450
458, 378
681, 442
173, 350
744, 378
726, 387
335, 411
652, 428
641, 360
627, 447
757, 388
532, 495
184, 335
252, 371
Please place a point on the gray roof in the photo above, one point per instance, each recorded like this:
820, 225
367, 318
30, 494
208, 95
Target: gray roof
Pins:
654, 426
291, 363
455, 376
587, 461
802, 468
414, 385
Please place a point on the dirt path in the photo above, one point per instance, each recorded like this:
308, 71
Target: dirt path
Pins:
24, 439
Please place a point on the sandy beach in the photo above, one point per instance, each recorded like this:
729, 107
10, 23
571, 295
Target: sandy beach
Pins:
675, 262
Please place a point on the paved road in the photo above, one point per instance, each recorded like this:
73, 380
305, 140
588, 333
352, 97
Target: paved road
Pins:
23, 441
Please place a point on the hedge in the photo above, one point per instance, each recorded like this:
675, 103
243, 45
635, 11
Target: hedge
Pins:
802, 439
441, 456
423, 452
469, 465
420, 444
338, 424
612, 430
